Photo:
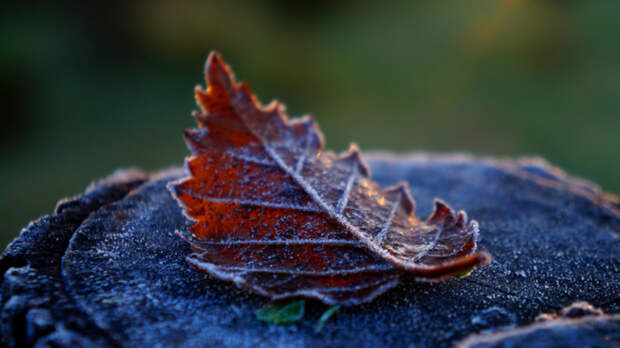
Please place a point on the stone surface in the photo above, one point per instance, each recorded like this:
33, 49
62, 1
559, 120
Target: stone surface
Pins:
121, 279
578, 325
36, 309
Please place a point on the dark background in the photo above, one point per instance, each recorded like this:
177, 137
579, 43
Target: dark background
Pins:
89, 87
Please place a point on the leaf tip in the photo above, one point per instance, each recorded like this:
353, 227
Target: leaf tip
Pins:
353, 157
194, 139
442, 213
406, 199
217, 73
484, 258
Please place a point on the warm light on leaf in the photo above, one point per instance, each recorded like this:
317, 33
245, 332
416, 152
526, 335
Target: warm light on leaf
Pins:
278, 215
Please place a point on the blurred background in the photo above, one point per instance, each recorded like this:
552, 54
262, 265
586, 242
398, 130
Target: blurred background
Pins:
87, 87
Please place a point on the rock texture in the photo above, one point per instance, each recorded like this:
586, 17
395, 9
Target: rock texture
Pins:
578, 325
36, 309
107, 269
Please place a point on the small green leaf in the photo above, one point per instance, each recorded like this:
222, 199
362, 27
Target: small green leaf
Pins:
281, 313
326, 315
464, 274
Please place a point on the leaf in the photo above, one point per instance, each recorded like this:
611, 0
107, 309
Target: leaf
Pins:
282, 313
325, 317
464, 273
278, 215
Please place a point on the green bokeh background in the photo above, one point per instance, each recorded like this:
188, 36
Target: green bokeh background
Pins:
87, 88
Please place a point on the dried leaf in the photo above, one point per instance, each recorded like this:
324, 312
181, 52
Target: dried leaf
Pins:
278, 215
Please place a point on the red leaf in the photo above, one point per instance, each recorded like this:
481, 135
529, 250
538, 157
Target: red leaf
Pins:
278, 215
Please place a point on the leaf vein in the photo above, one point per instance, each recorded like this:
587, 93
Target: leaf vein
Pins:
321, 241
251, 202
377, 268
344, 199
388, 223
